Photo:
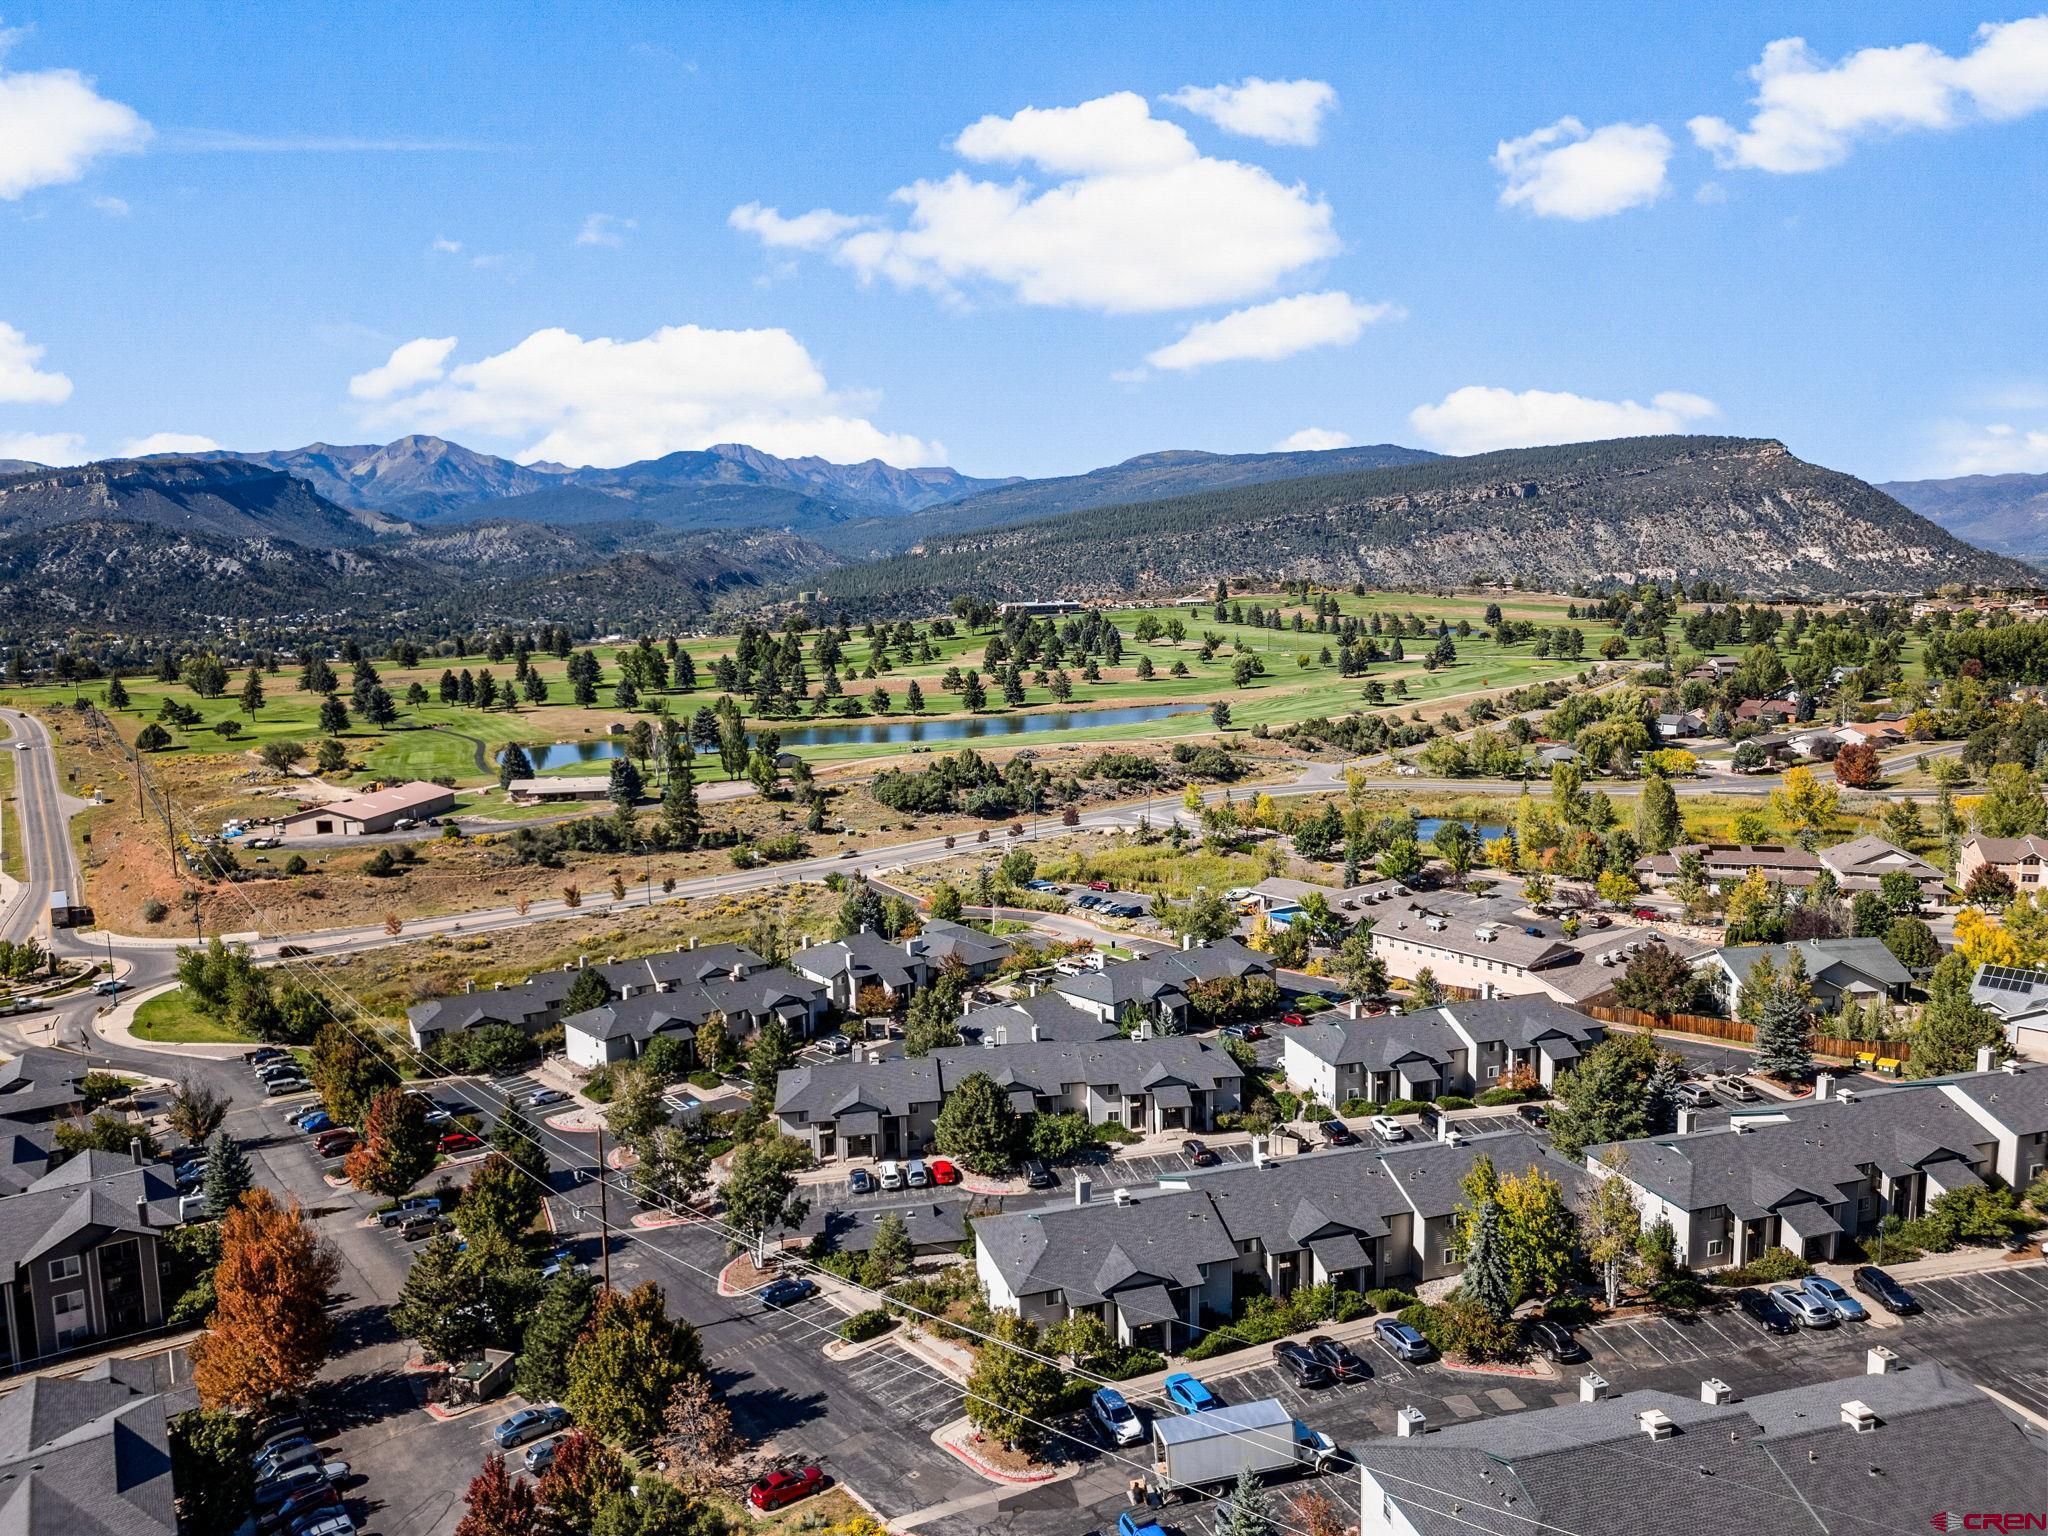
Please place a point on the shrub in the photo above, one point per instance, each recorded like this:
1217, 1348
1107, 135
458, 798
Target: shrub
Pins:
154, 911
1360, 1107
1405, 1106
1131, 1362
1768, 1268
1387, 1299
1453, 1101
1494, 1097
866, 1325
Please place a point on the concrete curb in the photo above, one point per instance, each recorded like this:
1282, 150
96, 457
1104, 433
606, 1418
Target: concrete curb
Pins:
946, 1438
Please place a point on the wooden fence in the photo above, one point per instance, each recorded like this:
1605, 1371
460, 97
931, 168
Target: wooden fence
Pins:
1740, 1033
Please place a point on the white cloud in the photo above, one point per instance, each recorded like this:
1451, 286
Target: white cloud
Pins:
53, 124
604, 401
1268, 332
21, 381
1312, 440
43, 447
445, 246
166, 442
1566, 171
1278, 111
1479, 419
112, 207
1809, 113
410, 365
1136, 219
1997, 449
811, 231
605, 229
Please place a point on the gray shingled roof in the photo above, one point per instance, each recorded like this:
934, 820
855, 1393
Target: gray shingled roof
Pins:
1089, 1251
1833, 959
36, 1080
1055, 1017
1520, 1022
1378, 1044
687, 1003
1168, 973
87, 1456
61, 1206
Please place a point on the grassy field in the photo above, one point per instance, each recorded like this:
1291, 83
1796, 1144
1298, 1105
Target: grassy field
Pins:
436, 740
171, 1018
12, 858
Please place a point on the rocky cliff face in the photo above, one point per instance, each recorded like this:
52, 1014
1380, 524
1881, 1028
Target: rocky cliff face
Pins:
2007, 513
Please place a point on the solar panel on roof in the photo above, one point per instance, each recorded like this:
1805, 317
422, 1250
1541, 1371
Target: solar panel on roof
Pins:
2011, 978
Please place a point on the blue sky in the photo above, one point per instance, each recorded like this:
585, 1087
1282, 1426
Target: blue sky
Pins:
1024, 240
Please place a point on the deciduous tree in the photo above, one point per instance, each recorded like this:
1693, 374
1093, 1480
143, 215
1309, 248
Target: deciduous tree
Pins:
499, 1504
270, 1330
397, 1146
1010, 1391
627, 1364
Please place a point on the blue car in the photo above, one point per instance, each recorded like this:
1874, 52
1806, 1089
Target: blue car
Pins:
1189, 1393
530, 1424
1138, 1522
314, 1122
1835, 1299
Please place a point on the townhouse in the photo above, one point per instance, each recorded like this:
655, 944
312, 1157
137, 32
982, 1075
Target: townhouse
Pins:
79, 1255
1861, 864
1461, 1047
844, 967
1839, 970
39, 1086
1280, 898
2020, 859
1493, 946
1726, 863
745, 999
1036, 1016
2018, 996
750, 989
1154, 1266
1160, 985
889, 1108
1852, 1454
1807, 1176
87, 1455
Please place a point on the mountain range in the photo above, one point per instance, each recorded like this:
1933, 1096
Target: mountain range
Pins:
422, 530
2008, 513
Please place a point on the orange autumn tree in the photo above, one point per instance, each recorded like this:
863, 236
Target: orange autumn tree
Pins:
270, 1330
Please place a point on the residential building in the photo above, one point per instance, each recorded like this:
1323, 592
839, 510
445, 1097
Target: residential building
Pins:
746, 997
379, 811
1725, 864
38, 1086
1160, 985
2019, 997
1882, 1451
1460, 1047
1493, 946
1156, 1265
1037, 1016
1806, 1176
934, 1227
1681, 725
560, 789
1280, 898
2020, 859
888, 1108
78, 1255
1862, 863
1839, 970
844, 967
87, 1455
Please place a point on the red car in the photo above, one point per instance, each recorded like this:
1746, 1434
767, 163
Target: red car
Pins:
335, 1143
458, 1141
1100, 885
1647, 914
780, 1488
1292, 1018
942, 1172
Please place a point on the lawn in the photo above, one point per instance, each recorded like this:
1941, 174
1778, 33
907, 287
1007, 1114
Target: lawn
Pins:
12, 857
171, 1018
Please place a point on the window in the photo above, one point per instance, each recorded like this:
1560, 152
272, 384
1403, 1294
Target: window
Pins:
1493, 1071
67, 1268
68, 1312
1716, 1247
1450, 1255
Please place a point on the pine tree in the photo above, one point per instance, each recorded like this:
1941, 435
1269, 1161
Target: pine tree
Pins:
228, 1176
513, 763
436, 1304
1781, 1046
252, 692
542, 1374
117, 694
1660, 1101
1244, 1511
1486, 1279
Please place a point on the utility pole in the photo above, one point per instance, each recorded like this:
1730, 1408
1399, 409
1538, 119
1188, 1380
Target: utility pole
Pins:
604, 1221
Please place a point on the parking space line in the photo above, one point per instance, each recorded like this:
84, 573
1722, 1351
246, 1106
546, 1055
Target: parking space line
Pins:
1711, 1324
1649, 1343
2021, 1296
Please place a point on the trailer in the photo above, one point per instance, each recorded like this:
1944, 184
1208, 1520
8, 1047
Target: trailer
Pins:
1199, 1451
65, 914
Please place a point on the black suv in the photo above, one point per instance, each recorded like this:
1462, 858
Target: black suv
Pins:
1554, 1341
1337, 1134
1038, 1175
1884, 1290
1304, 1367
1338, 1358
1769, 1312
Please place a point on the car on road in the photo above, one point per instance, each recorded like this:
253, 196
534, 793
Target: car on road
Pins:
278, 1087
1766, 1311
530, 1424
1831, 1295
1881, 1288
777, 1489
108, 988
1188, 1392
787, 1291
1646, 914
1400, 1340
1338, 1358
860, 1182
1037, 1175
541, 1455
1337, 1134
1247, 1031
915, 1174
943, 1172
1114, 1418
1301, 1364
1292, 1019
1386, 1128
541, 1097
889, 1174
1554, 1341
1199, 1154
457, 1141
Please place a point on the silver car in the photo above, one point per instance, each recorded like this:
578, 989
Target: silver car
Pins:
1811, 1311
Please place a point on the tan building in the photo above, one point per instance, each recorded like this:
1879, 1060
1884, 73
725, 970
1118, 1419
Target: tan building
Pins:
2021, 859
380, 811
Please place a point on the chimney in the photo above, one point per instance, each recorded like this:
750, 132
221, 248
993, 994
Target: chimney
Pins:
1411, 1422
1258, 1151
1592, 1387
1031, 989
1987, 1058
2010, 1066
1859, 1416
135, 1150
582, 962
1187, 941
693, 941
1688, 1119
910, 948
1034, 1031
142, 1210
1656, 1423
497, 986
1716, 1391
611, 959
469, 984
1084, 1189
1123, 1196
1351, 1008
1881, 1360
1823, 1087
966, 1005
864, 928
